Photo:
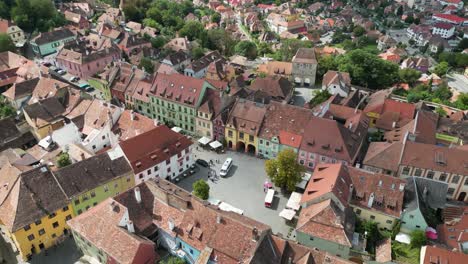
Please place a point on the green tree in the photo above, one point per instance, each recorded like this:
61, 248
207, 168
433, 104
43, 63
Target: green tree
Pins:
418, 239
443, 93
373, 234
320, 97
368, 70
219, 39
197, 53
358, 31
173, 260
441, 69
441, 112
146, 64
247, 49
326, 63
463, 44
284, 171
6, 110
192, 30
263, 48
289, 48
409, 20
158, 42
216, 18
6, 44
409, 75
462, 101
201, 189
63, 160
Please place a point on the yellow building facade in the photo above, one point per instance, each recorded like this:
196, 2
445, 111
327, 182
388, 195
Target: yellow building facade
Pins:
384, 221
43, 233
241, 141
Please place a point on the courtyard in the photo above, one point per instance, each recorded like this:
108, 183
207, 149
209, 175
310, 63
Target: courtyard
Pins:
242, 188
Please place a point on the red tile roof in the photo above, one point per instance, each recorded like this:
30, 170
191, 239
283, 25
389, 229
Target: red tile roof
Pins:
333, 139
178, 88
433, 254
127, 127
100, 226
153, 147
443, 25
289, 139
328, 178
453, 18
384, 155
454, 231
386, 190
324, 220
247, 116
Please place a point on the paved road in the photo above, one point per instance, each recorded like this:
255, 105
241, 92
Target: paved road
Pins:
243, 188
458, 81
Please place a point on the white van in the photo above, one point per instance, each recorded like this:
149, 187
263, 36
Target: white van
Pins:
226, 167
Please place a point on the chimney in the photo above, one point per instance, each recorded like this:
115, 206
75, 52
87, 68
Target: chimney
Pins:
56, 86
156, 122
82, 156
351, 188
393, 124
350, 125
218, 219
132, 115
371, 200
255, 234
171, 224
130, 226
137, 194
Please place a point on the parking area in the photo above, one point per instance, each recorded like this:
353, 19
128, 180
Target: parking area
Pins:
459, 82
242, 188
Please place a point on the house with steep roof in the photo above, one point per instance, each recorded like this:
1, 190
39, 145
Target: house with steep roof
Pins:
407, 158
454, 231
422, 198
88, 56
16, 68
20, 93
275, 68
422, 129
387, 114
115, 242
76, 19
158, 210
334, 142
421, 64
272, 88
336, 82
45, 116
33, 209
176, 98
212, 114
48, 42
376, 197
13, 31
283, 128
385, 42
177, 60
131, 124
435, 254
158, 153
177, 44
244, 125
198, 68
12, 135
90, 181
326, 221
47, 88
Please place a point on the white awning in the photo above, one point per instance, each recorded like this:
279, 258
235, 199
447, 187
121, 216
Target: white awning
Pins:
229, 208
287, 214
294, 201
204, 140
215, 144
177, 129
403, 238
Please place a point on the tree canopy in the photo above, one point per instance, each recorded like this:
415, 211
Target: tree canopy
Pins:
409, 75
63, 160
30, 15
368, 70
320, 97
284, 171
201, 189
418, 239
247, 49
6, 44
146, 64
441, 69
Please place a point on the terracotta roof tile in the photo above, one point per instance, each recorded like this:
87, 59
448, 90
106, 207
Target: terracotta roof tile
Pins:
152, 147
127, 127
178, 88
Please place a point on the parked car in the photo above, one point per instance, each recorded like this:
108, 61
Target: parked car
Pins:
47, 64
74, 79
61, 72
89, 89
203, 163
